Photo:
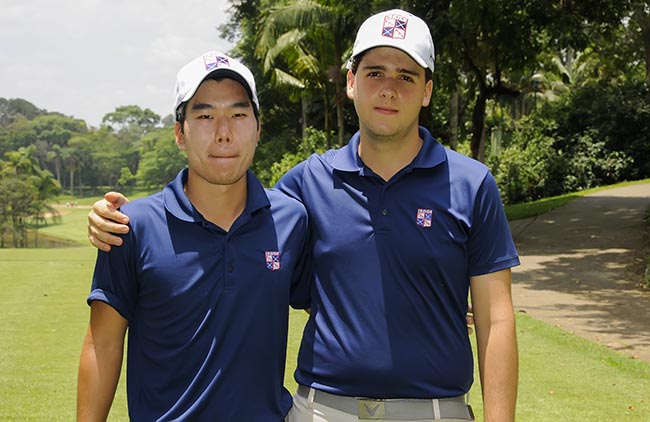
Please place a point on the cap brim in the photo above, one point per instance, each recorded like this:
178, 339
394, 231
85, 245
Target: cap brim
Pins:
415, 58
223, 73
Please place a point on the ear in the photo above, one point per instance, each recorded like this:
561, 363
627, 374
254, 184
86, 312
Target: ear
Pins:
350, 85
428, 90
180, 136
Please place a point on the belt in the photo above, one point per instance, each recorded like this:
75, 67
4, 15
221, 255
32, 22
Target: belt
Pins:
453, 408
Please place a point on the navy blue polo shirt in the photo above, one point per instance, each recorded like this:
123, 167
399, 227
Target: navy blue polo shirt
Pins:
392, 263
207, 309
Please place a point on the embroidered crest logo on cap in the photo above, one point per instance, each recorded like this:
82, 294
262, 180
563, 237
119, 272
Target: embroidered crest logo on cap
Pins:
399, 29
212, 63
394, 27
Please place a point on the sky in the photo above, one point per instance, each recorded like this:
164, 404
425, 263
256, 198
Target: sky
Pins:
85, 58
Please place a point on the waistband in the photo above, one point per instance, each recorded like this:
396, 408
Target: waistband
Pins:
453, 408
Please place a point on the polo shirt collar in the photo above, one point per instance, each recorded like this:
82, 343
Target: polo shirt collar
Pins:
178, 204
430, 155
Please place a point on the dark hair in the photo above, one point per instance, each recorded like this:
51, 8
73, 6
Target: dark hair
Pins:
354, 66
182, 107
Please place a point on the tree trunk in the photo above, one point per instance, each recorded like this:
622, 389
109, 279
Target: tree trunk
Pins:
340, 97
303, 112
327, 124
57, 168
453, 119
71, 182
647, 57
481, 148
478, 125
339, 120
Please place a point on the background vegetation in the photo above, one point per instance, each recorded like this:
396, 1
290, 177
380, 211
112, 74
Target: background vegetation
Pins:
552, 94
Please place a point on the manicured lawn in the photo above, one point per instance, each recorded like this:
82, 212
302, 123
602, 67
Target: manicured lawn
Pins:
42, 323
44, 316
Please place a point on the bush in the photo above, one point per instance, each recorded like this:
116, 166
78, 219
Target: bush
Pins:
598, 135
528, 167
591, 164
616, 117
315, 142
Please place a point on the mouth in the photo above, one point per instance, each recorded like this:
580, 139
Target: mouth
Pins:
221, 156
386, 110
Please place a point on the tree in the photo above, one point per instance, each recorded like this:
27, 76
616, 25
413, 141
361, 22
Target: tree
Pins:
25, 191
49, 134
109, 156
16, 199
161, 159
313, 38
131, 119
130, 124
78, 159
15, 108
489, 46
19, 133
641, 19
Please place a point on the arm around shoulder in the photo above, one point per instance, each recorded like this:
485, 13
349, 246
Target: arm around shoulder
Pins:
105, 219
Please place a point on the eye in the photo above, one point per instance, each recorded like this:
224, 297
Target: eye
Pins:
374, 74
406, 78
204, 117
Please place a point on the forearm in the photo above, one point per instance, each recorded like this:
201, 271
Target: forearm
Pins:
498, 364
99, 373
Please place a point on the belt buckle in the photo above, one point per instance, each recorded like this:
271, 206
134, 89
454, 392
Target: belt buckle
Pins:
371, 409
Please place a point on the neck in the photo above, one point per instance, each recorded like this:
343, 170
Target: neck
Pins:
219, 204
386, 156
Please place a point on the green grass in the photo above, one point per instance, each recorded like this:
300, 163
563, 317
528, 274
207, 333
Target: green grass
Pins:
42, 324
74, 229
43, 319
567, 378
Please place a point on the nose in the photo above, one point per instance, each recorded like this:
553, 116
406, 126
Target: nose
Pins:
388, 88
223, 133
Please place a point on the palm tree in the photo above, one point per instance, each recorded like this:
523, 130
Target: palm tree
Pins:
302, 79
310, 39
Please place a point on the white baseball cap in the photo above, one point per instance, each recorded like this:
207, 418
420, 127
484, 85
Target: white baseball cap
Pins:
399, 29
212, 64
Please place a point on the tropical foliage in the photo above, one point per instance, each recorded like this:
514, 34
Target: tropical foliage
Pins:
553, 95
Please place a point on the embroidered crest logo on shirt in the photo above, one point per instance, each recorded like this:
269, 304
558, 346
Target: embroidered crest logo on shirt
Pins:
215, 62
394, 27
424, 217
272, 260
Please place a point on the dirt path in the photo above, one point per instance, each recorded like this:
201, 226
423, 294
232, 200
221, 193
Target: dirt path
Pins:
581, 269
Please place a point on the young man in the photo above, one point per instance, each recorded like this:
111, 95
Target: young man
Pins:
204, 276
402, 229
